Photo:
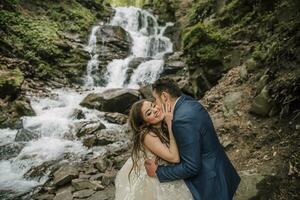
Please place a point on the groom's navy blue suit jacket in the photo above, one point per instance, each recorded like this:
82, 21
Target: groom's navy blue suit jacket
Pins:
204, 166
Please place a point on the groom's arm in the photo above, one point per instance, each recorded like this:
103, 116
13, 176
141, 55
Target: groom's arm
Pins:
188, 141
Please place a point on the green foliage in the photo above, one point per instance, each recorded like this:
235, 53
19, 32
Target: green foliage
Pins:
201, 9
203, 44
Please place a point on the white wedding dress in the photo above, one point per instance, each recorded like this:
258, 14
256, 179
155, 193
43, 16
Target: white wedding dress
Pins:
143, 187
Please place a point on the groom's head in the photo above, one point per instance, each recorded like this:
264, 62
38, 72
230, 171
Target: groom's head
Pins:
165, 90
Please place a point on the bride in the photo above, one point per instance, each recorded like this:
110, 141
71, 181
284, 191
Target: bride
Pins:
152, 137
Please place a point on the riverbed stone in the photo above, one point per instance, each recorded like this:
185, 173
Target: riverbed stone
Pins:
80, 184
46, 197
65, 174
116, 118
88, 127
109, 177
25, 135
64, 195
10, 150
83, 193
112, 100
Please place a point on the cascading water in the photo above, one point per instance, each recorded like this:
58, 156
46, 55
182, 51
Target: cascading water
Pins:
54, 115
148, 42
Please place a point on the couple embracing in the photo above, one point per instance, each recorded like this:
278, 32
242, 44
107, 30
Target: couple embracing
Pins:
176, 153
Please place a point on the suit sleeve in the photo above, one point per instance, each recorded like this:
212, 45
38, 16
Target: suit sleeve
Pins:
189, 144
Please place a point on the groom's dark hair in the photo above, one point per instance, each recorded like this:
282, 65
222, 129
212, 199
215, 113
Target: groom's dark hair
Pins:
166, 85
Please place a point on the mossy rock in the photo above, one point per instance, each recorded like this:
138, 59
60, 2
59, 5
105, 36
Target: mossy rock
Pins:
12, 111
10, 82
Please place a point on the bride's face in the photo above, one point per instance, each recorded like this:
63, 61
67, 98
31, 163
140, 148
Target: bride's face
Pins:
152, 113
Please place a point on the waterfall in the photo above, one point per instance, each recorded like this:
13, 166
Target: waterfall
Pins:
54, 114
148, 42
93, 63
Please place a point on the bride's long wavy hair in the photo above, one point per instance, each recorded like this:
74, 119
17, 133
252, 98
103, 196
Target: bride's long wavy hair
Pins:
140, 129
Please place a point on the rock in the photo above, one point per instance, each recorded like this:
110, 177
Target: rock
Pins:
96, 177
118, 147
262, 83
113, 100
262, 104
120, 160
64, 195
186, 87
200, 83
90, 170
116, 118
64, 175
113, 42
10, 82
78, 114
251, 65
40, 170
65, 188
101, 163
46, 197
12, 111
243, 73
173, 64
10, 150
84, 176
232, 100
226, 142
146, 92
107, 194
90, 141
172, 67
247, 188
88, 128
25, 135
80, 184
105, 137
109, 177
83, 193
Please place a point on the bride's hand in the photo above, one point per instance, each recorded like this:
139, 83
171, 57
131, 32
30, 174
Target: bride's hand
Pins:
168, 114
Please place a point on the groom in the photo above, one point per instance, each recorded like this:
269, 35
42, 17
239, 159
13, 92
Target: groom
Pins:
204, 166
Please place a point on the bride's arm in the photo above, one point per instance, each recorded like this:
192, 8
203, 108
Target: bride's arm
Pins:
170, 154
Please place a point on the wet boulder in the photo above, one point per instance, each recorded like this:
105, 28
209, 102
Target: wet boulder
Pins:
10, 150
25, 135
114, 43
113, 100
174, 63
88, 128
146, 91
116, 118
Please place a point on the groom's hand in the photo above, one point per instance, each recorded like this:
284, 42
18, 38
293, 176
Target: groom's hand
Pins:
151, 167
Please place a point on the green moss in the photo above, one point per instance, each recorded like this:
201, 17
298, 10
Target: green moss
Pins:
10, 82
12, 77
200, 10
